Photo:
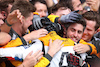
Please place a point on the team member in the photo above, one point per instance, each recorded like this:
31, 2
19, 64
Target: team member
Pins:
93, 23
5, 6
41, 7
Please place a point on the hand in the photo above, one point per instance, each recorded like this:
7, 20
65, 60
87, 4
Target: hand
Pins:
54, 47
71, 17
94, 4
39, 33
39, 23
14, 17
36, 23
31, 60
35, 34
81, 48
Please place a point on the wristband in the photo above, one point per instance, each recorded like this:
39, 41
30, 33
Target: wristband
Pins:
7, 23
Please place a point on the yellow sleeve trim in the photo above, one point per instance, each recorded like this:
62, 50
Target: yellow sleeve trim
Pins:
52, 17
43, 62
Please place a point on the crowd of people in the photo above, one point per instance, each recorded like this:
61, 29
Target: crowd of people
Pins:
49, 33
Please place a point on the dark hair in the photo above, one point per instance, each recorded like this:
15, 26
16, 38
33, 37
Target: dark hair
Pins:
24, 7
81, 21
99, 9
3, 7
4, 4
93, 16
40, 1
62, 3
68, 3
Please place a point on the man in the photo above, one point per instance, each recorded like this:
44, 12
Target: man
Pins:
92, 20
4, 27
74, 5
77, 5
93, 23
59, 9
20, 28
40, 6
5, 7
4, 36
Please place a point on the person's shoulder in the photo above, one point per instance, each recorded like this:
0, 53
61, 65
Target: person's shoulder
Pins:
97, 35
4, 38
